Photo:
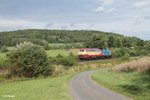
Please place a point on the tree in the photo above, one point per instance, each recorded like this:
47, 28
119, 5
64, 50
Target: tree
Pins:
127, 42
118, 42
96, 42
28, 60
140, 43
111, 41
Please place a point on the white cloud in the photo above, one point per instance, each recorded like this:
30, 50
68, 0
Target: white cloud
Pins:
99, 9
102, 9
140, 4
107, 2
106, 6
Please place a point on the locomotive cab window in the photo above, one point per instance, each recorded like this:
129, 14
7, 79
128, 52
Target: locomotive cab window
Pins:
81, 50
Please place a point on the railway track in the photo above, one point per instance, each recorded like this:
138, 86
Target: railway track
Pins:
93, 60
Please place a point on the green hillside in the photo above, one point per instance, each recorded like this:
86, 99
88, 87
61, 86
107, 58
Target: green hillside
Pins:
42, 36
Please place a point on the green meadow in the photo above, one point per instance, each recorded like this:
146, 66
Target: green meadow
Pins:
134, 84
36, 89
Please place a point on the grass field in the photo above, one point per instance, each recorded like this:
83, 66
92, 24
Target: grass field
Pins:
36, 89
56, 44
62, 44
54, 53
135, 85
51, 53
2, 55
10, 48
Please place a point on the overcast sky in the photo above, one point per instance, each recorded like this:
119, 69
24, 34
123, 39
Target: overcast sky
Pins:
128, 17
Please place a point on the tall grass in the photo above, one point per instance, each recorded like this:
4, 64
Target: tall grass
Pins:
141, 65
59, 70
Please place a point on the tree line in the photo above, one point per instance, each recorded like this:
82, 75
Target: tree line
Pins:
43, 36
114, 41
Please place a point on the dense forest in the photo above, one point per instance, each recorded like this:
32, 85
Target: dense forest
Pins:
43, 36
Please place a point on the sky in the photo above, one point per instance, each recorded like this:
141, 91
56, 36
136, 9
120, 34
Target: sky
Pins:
127, 17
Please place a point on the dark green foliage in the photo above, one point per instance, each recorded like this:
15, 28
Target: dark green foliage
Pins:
134, 53
116, 53
28, 60
120, 52
96, 42
118, 42
47, 47
67, 61
127, 42
111, 41
114, 41
147, 46
140, 43
3, 49
143, 52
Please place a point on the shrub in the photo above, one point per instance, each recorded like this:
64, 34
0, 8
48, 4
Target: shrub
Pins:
143, 52
2, 63
66, 61
126, 57
4, 49
47, 47
28, 60
134, 53
120, 52
70, 60
116, 53
147, 47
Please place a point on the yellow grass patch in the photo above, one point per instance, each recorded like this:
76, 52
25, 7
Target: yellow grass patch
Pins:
141, 65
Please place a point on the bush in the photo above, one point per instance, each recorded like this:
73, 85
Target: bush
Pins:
2, 63
67, 61
126, 57
47, 47
28, 60
4, 49
143, 52
134, 53
120, 52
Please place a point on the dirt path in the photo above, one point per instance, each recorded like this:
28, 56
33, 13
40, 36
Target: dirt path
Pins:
82, 87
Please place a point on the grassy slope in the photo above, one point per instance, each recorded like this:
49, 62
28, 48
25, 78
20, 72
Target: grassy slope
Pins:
39, 89
135, 85
53, 53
